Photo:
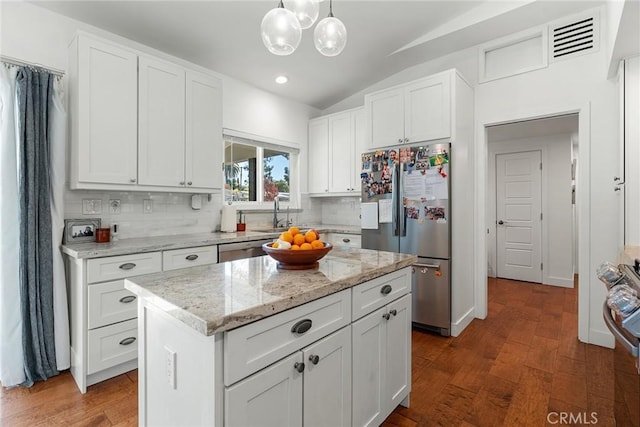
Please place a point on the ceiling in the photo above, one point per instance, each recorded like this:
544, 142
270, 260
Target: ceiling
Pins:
384, 37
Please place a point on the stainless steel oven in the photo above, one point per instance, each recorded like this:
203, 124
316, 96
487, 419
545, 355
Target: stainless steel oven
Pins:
621, 312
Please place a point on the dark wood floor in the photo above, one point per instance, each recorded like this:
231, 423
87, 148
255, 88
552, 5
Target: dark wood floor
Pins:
511, 369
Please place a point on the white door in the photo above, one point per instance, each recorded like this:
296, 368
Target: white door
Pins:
108, 103
327, 381
385, 111
518, 214
340, 153
161, 118
369, 362
360, 139
398, 351
270, 398
318, 160
203, 145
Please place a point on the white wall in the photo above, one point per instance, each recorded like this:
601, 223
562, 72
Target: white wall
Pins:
632, 151
36, 35
557, 210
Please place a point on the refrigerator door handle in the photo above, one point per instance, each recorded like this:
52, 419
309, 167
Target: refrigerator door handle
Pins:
437, 266
611, 325
394, 199
401, 208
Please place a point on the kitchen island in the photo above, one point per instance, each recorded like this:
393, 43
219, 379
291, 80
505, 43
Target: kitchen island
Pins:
245, 343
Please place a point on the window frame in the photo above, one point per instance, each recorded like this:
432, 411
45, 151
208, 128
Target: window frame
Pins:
261, 142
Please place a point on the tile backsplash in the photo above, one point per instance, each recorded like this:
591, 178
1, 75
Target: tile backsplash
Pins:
142, 214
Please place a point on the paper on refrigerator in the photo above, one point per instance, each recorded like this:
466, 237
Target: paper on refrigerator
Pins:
384, 209
369, 216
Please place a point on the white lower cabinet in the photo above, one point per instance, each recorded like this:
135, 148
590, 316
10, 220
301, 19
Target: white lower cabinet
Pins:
381, 362
311, 387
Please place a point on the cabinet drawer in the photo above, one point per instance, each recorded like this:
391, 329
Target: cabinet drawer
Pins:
119, 267
112, 345
110, 303
250, 348
190, 257
374, 294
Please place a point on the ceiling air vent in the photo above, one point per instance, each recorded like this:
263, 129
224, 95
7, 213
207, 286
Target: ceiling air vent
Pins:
572, 38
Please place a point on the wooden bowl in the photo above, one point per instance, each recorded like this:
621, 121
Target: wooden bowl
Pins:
296, 260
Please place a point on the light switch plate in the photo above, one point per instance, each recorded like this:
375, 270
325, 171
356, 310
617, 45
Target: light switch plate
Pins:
91, 206
147, 206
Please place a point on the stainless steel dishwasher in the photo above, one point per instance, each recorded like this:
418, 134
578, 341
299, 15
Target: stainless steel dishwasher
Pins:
241, 250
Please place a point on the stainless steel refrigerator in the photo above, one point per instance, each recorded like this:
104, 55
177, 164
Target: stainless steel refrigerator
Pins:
406, 208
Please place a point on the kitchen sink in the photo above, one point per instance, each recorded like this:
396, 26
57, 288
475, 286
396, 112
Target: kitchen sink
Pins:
271, 230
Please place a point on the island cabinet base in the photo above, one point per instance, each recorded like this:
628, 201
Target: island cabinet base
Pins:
325, 362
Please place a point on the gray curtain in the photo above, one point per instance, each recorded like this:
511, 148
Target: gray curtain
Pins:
34, 93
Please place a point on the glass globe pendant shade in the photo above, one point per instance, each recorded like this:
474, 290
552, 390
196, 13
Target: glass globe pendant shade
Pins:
305, 10
330, 36
281, 31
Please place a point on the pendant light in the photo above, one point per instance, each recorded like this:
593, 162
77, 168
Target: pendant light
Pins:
330, 35
281, 31
305, 10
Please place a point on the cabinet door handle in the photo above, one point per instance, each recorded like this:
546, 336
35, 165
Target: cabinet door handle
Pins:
302, 326
191, 257
346, 240
181, 182
393, 312
189, 183
127, 299
299, 366
127, 266
128, 340
386, 290
400, 140
133, 180
386, 316
406, 140
314, 358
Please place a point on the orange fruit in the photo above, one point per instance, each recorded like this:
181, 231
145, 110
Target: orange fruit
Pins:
295, 247
276, 245
294, 230
317, 244
306, 246
310, 236
299, 239
287, 237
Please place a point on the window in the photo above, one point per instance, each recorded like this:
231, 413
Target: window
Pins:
258, 171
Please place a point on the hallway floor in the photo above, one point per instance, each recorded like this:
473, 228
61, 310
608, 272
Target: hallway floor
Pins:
512, 369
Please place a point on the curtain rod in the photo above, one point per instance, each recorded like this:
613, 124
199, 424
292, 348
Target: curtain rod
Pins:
19, 62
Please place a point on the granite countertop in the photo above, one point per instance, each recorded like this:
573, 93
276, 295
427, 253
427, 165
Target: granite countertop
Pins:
159, 243
219, 297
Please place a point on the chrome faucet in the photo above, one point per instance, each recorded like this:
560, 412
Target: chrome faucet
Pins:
276, 208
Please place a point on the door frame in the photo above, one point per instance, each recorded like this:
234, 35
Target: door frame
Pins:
492, 202
583, 199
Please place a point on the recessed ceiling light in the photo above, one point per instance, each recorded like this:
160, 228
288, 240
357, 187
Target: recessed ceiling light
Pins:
282, 79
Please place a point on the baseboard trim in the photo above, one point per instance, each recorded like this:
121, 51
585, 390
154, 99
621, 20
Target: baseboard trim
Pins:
460, 325
601, 338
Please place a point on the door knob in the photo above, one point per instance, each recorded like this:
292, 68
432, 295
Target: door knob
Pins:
314, 358
386, 316
393, 312
299, 366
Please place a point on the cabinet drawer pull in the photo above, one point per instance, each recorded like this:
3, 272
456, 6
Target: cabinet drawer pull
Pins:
393, 312
128, 340
191, 257
386, 290
386, 316
127, 299
301, 327
299, 366
346, 240
127, 266
314, 358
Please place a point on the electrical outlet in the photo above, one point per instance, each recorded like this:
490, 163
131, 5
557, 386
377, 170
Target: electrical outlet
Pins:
91, 206
147, 206
171, 359
114, 206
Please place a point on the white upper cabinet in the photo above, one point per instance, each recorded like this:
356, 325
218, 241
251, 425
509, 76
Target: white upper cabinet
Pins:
104, 108
140, 122
161, 129
335, 144
203, 156
318, 162
414, 112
